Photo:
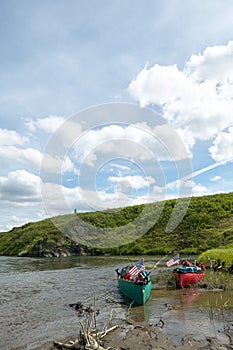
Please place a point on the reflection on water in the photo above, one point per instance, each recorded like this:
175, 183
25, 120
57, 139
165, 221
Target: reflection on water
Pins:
141, 313
194, 311
35, 295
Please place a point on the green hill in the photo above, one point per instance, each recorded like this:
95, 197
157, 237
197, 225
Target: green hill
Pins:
207, 223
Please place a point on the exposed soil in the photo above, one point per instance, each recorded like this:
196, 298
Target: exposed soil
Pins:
169, 331
141, 337
136, 337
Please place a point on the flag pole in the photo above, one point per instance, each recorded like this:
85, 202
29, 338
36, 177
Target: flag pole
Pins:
163, 258
158, 262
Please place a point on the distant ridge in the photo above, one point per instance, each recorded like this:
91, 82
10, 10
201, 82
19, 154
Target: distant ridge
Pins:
208, 223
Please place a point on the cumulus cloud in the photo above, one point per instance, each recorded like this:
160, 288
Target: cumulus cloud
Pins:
138, 141
222, 148
48, 124
198, 99
197, 103
28, 156
134, 181
33, 158
59, 199
65, 131
56, 165
20, 187
10, 137
214, 64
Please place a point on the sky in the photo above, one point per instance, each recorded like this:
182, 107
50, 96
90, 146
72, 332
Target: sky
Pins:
105, 104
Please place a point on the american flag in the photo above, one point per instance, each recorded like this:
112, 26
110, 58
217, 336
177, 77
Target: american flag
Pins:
174, 260
134, 271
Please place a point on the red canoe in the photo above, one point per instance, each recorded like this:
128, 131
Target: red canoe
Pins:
188, 275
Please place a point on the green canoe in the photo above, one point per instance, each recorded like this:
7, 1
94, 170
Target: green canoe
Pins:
136, 292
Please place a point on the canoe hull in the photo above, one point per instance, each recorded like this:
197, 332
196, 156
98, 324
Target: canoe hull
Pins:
134, 291
188, 278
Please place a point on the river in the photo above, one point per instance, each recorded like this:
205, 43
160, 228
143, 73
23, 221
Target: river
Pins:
35, 295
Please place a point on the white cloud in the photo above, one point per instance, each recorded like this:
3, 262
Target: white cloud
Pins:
158, 190
133, 181
48, 124
10, 137
188, 141
67, 165
160, 85
120, 167
199, 190
137, 141
197, 99
171, 144
24, 215
65, 131
20, 187
215, 178
29, 156
56, 165
33, 158
186, 188
59, 199
222, 148
214, 64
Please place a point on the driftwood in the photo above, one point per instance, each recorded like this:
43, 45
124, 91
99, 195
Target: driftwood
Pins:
89, 339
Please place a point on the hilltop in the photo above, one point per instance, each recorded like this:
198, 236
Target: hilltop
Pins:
207, 223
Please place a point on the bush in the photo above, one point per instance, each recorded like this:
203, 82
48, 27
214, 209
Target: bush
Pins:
224, 255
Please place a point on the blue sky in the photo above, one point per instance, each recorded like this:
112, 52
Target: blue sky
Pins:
112, 103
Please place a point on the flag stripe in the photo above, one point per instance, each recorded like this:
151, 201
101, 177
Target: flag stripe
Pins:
136, 269
173, 261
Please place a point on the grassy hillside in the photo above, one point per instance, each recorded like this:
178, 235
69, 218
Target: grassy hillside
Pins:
208, 223
38, 239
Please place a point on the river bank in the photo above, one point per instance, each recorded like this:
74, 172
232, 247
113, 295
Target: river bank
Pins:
146, 338
173, 328
165, 333
150, 337
36, 295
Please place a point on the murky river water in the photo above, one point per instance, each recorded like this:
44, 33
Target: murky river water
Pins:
35, 295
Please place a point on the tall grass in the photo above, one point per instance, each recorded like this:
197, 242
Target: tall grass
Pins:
220, 279
224, 255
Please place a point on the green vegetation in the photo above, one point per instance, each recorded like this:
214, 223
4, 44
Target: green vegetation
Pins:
207, 224
222, 280
223, 255
36, 239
